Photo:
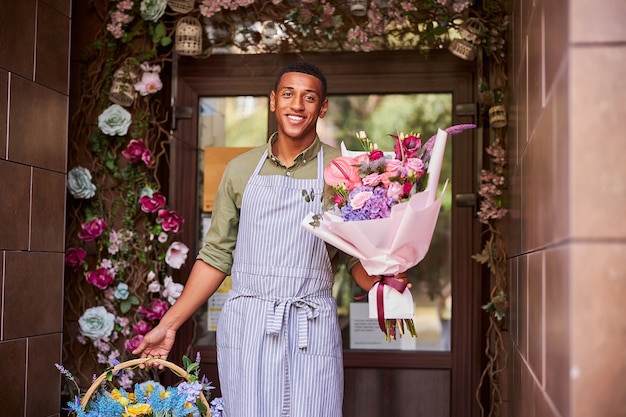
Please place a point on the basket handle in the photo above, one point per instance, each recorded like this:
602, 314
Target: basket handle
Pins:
134, 362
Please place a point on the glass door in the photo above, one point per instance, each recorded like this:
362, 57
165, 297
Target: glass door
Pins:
435, 374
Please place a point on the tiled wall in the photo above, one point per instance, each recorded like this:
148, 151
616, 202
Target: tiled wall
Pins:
34, 75
567, 240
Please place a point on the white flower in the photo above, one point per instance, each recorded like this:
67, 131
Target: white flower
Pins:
79, 183
154, 287
152, 10
172, 289
176, 255
96, 323
115, 120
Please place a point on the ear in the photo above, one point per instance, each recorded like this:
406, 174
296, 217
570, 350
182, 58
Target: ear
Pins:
323, 109
273, 101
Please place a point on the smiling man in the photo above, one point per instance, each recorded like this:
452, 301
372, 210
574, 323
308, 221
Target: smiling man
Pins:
278, 338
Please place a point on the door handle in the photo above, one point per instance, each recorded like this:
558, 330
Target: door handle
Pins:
465, 200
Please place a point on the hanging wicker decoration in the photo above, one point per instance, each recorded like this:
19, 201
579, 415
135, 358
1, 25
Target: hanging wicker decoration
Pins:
472, 29
122, 90
188, 39
181, 6
463, 49
358, 7
497, 116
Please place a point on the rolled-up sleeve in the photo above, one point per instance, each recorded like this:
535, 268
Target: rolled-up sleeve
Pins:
220, 240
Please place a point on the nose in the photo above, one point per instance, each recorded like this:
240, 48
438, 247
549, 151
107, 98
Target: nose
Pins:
298, 102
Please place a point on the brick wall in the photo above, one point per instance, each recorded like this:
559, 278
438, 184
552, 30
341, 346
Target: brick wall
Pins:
567, 240
34, 75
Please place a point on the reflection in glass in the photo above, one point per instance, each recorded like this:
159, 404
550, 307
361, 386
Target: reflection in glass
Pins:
242, 121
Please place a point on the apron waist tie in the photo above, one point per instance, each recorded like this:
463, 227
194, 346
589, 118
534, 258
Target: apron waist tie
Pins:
280, 315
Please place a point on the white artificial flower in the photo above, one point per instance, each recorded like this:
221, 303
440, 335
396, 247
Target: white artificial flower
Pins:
152, 10
172, 290
96, 323
115, 120
79, 183
176, 255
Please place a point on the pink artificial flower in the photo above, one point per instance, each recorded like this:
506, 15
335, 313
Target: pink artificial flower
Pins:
142, 327
157, 310
170, 220
137, 151
100, 278
176, 255
92, 230
343, 170
150, 83
151, 204
132, 344
75, 257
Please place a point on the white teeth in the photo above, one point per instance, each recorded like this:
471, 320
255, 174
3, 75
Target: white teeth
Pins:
296, 118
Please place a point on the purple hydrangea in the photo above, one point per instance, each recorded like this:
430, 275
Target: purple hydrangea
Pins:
378, 206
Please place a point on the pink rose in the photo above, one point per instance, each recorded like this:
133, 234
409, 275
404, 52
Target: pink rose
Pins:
150, 83
176, 255
75, 257
157, 310
372, 179
395, 191
343, 170
100, 278
92, 230
170, 220
142, 327
392, 165
416, 165
136, 151
150, 204
359, 199
376, 154
132, 344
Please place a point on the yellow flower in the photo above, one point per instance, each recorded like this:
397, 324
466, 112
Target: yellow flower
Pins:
116, 394
137, 410
165, 394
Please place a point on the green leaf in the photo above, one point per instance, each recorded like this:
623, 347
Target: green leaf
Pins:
166, 40
186, 362
134, 300
201, 406
125, 306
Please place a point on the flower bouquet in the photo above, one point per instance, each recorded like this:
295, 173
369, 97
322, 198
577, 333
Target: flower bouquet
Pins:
149, 398
384, 211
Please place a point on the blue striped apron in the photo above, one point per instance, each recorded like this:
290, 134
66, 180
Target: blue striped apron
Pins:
278, 338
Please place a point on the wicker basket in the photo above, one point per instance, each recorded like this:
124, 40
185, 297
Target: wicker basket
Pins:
181, 6
135, 362
122, 88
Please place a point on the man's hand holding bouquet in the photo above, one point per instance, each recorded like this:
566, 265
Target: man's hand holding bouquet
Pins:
383, 211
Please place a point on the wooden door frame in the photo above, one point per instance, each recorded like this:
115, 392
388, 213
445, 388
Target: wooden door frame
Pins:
353, 73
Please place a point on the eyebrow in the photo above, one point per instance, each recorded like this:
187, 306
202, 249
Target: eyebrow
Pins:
308, 90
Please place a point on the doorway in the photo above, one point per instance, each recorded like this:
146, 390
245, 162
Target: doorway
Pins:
427, 381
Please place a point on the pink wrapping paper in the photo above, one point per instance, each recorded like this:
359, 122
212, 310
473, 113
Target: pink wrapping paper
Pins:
392, 245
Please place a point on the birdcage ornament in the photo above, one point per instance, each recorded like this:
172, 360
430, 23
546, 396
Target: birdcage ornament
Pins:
181, 6
472, 29
188, 38
463, 49
358, 7
497, 116
122, 90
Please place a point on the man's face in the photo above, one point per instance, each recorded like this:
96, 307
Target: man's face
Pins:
298, 103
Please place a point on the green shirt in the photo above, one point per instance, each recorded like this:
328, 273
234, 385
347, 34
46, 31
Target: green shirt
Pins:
221, 238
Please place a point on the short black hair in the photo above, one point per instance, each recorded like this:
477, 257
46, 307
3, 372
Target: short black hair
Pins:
305, 68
